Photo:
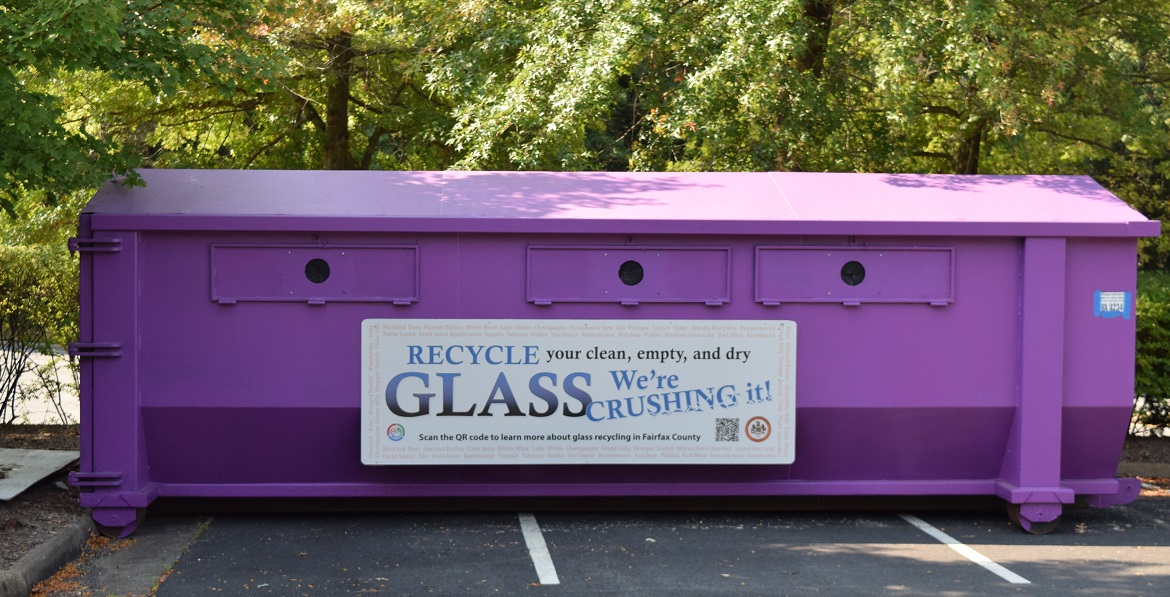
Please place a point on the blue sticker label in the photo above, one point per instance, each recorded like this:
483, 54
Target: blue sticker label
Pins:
1112, 304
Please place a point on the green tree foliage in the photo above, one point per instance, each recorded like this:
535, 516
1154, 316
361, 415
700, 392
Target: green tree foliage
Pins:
1152, 381
341, 87
38, 308
941, 86
157, 44
963, 86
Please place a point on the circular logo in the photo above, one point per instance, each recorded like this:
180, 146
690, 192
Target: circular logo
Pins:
758, 429
396, 431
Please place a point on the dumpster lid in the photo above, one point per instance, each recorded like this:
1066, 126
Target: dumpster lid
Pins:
644, 202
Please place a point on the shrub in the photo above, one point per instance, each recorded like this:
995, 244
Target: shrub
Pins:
38, 309
1152, 376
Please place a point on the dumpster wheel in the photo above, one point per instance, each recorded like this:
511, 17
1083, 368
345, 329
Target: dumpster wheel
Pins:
1032, 527
121, 531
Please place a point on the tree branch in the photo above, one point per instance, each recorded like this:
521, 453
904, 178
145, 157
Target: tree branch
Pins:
1077, 139
267, 146
372, 146
429, 97
206, 116
366, 106
1090, 6
176, 107
933, 154
941, 110
306, 108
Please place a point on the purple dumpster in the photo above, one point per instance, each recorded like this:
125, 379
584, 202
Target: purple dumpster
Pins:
253, 334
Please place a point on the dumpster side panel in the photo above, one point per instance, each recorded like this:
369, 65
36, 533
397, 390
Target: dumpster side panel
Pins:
1099, 356
905, 354
883, 389
1099, 351
115, 474
267, 392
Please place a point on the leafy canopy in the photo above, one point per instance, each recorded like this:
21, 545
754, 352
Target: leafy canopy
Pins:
161, 45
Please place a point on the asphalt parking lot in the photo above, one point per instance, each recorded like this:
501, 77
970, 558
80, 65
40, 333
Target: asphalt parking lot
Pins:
1118, 551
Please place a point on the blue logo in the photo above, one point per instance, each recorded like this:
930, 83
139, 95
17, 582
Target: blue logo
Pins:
396, 431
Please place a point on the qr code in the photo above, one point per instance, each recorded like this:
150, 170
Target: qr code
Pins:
726, 430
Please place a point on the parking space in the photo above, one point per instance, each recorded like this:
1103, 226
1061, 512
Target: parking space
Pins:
1124, 550
1117, 551
366, 553
791, 553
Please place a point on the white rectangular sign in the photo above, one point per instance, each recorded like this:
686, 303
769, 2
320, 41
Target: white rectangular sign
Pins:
530, 391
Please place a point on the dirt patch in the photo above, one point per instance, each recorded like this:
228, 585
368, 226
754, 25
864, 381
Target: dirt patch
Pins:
34, 516
1155, 450
71, 580
40, 437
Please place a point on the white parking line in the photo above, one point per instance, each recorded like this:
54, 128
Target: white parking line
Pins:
966, 551
545, 571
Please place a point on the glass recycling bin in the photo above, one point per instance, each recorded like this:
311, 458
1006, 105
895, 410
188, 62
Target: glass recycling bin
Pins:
262, 334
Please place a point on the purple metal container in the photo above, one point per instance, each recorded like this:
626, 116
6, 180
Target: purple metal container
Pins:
988, 351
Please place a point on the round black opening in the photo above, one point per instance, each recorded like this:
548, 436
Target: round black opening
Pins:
317, 270
631, 273
852, 273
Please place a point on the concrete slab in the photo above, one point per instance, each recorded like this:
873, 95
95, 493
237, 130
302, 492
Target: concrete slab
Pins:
136, 566
1143, 469
21, 469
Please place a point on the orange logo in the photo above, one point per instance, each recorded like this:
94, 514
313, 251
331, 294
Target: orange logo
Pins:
758, 429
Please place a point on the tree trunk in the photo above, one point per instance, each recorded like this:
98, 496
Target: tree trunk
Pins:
337, 102
819, 14
967, 160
